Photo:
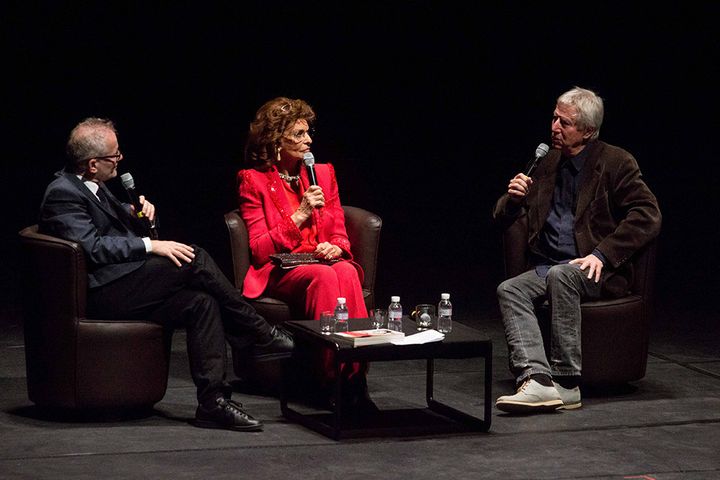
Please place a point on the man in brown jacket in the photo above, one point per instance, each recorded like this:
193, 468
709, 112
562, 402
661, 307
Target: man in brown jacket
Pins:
588, 211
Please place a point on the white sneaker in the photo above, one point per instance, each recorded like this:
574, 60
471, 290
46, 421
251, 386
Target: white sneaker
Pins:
570, 397
530, 397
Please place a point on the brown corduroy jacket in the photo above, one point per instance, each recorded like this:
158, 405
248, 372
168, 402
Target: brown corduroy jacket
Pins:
616, 211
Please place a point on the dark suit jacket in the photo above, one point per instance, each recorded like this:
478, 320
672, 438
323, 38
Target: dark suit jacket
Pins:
106, 234
616, 211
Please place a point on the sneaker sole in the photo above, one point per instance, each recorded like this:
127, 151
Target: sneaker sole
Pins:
571, 406
521, 407
217, 426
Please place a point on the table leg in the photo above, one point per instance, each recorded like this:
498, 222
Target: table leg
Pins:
454, 413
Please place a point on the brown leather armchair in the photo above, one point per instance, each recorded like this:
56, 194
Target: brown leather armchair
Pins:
363, 228
615, 332
76, 362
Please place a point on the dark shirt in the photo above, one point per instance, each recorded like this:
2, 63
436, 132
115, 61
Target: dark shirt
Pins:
556, 242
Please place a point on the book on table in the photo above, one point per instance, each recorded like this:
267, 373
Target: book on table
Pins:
369, 337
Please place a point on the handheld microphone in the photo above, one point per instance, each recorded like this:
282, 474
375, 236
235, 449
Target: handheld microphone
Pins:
309, 160
540, 152
129, 184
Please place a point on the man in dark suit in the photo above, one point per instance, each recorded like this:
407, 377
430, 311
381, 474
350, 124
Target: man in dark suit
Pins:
588, 211
134, 276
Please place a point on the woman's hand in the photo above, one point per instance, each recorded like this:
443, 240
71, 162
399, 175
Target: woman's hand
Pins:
327, 251
312, 198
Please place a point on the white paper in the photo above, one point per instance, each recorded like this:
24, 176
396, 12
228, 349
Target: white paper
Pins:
425, 336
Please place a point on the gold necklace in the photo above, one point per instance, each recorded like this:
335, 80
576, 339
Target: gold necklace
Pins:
289, 178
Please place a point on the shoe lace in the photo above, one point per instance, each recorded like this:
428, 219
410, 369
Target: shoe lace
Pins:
524, 385
283, 334
276, 334
236, 407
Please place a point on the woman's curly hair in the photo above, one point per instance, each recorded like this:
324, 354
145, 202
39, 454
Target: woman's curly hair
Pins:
270, 123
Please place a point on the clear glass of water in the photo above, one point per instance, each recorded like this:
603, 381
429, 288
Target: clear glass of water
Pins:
327, 322
424, 315
378, 318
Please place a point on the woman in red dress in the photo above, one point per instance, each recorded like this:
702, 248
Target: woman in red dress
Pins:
284, 212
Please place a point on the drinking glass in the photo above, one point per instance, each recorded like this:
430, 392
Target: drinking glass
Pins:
327, 323
424, 314
378, 318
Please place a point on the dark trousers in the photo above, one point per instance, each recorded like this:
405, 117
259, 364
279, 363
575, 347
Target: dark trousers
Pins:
196, 296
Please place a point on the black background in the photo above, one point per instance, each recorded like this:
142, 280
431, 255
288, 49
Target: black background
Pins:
426, 109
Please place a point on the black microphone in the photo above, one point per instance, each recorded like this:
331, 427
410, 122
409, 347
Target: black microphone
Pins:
540, 152
129, 184
309, 160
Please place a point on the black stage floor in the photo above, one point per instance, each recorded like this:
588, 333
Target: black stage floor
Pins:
666, 426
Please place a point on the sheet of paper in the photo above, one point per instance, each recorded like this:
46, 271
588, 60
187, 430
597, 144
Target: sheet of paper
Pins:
426, 336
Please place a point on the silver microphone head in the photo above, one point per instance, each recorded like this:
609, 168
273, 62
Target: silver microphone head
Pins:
309, 159
541, 150
127, 181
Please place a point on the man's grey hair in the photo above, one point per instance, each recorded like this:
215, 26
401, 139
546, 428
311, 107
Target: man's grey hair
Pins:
87, 140
589, 106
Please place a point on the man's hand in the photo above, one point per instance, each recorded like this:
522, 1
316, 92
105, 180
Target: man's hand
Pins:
594, 263
148, 209
519, 187
327, 250
175, 251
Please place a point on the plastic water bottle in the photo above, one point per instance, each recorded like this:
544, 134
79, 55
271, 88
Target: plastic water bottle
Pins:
444, 314
341, 315
395, 314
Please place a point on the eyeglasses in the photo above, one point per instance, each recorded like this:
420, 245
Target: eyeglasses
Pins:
299, 135
110, 158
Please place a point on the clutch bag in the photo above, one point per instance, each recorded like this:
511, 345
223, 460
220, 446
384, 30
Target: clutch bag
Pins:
287, 261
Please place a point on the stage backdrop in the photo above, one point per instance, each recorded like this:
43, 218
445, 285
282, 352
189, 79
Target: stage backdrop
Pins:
426, 109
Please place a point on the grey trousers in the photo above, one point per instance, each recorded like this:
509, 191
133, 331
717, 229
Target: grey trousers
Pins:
565, 286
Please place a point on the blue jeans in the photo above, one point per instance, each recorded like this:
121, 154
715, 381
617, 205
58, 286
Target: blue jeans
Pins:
564, 287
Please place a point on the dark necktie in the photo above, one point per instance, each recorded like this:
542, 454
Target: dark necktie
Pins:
103, 198
117, 212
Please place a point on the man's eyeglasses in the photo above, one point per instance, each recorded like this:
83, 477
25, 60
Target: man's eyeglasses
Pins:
109, 158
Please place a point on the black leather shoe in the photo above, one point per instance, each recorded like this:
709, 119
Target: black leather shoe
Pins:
280, 346
226, 414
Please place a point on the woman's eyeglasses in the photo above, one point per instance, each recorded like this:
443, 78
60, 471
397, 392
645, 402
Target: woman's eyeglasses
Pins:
299, 135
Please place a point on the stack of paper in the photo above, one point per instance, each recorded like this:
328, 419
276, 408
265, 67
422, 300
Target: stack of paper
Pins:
425, 336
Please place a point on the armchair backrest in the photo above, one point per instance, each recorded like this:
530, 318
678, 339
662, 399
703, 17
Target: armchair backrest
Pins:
515, 251
363, 228
54, 298
239, 246
55, 273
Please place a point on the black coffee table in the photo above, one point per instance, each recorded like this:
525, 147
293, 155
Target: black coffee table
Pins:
462, 342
